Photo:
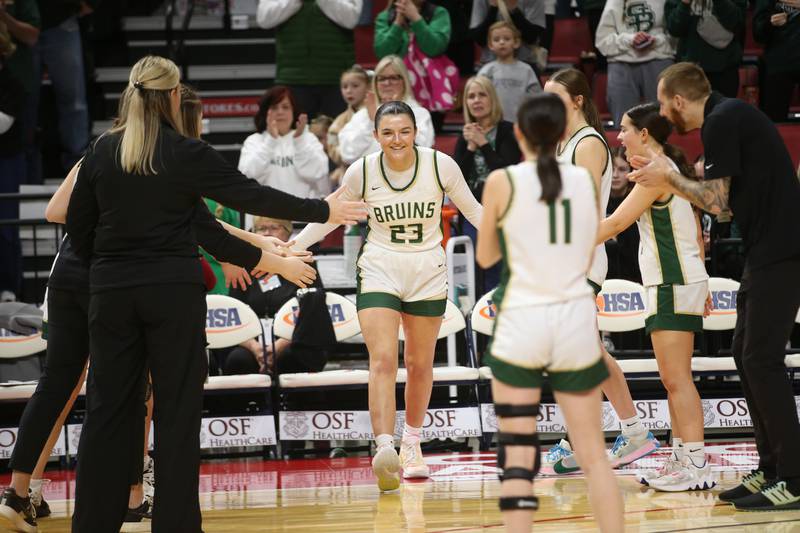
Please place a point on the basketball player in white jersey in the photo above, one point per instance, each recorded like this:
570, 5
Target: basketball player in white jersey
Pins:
401, 276
540, 218
585, 146
671, 259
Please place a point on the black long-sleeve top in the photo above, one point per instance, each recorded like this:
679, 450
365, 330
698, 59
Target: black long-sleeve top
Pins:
505, 152
69, 273
139, 229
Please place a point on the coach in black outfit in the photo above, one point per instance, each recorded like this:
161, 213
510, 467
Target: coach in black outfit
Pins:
130, 214
747, 170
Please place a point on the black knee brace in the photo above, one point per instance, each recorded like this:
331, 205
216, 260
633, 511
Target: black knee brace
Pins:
512, 503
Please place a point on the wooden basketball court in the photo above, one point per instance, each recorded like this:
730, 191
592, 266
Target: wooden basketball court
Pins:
338, 495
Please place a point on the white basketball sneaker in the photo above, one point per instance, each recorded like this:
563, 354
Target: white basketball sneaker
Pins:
386, 466
413, 464
667, 467
686, 476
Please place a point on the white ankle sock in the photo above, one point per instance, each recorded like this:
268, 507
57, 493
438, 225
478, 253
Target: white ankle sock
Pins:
696, 452
384, 439
632, 427
677, 449
411, 434
35, 484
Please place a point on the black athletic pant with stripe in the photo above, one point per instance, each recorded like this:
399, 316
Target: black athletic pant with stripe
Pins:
160, 327
766, 308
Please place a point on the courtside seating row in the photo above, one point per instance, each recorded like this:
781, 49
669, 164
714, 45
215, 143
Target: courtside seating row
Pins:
621, 308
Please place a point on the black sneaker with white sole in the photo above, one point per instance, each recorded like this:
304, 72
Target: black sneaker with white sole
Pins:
17, 513
775, 496
751, 484
138, 519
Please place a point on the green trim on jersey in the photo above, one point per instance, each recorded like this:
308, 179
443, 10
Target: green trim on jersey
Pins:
510, 196
665, 202
425, 307
579, 380
367, 300
436, 171
665, 317
364, 178
666, 244
358, 258
560, 152
602, 139
514, 375
595, 287
413, 178
500, 291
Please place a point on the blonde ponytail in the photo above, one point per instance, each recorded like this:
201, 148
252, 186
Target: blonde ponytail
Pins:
145, 103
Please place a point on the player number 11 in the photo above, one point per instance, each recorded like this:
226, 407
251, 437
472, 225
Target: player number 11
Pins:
567, 221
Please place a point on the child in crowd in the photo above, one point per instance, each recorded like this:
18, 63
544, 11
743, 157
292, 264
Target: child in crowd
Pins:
354, 85
513, 79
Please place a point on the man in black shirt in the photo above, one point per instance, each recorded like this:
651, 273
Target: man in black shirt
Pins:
747, 170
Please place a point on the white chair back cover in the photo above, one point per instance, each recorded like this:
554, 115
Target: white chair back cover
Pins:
229, 322
621, 306
483, 313
723, 295
344, 317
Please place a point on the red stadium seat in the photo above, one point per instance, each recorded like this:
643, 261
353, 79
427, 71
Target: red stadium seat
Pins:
748, 84
600, 94
570, 38
446, 143
365, 50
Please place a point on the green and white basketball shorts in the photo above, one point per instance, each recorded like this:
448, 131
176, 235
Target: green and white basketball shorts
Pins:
559, 339
409, 282
676, 307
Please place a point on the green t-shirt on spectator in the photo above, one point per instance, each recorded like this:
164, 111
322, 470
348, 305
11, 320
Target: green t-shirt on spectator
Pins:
231, 216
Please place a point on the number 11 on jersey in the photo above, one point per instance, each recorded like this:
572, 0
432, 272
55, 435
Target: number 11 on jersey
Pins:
553, 207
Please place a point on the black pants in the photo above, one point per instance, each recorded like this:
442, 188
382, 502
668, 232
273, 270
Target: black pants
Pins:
67, 352
776, 95
726, 81
318, 99
766, 307
161, 327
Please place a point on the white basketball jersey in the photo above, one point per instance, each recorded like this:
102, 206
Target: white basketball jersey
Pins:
547, 248
668, 247
599, 268
405, 208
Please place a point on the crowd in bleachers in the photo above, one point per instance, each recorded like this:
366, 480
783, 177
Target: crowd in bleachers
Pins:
459, 64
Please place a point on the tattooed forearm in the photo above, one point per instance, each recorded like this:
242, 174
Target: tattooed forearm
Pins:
710, 196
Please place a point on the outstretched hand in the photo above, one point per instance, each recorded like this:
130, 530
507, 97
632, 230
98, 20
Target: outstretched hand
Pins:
651, 171
292, 269
345, 212
236, 277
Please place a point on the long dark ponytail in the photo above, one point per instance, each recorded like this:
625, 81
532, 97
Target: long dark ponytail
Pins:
542, 120
577, 85
647, 116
